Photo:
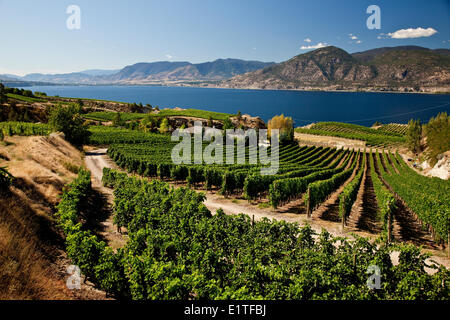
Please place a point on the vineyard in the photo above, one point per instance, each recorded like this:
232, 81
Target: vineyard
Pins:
109, 116
178, 250
25, 129
394, 128
373, 137
323, 183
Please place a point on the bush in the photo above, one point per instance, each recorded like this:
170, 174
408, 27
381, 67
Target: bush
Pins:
285, 125
68, 119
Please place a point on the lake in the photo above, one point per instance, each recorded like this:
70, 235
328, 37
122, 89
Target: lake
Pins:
303, 106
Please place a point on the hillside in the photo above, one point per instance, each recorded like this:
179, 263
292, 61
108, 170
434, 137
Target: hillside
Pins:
32, 258
385, 69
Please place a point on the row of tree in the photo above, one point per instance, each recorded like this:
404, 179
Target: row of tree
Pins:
436, 132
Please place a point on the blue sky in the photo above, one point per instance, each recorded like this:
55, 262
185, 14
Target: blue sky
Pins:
113, 34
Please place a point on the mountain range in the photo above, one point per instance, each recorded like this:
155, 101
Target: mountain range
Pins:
406, 68
153, 72
403, 68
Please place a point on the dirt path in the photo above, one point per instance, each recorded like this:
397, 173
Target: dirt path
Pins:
364, 213
102, 201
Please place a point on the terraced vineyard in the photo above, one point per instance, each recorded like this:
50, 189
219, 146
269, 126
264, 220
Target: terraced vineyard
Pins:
178, 250
373, 137
109, 116
369, 191
394, 128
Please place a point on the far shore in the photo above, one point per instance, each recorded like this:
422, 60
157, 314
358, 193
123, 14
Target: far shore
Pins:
184, 85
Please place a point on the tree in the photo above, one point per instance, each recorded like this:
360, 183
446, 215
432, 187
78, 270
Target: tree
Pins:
68, 119
3, 97
285, 125
13, 114
117, 121
164, 127
227, 124
239, 116
28, 93
148, 124
26, 116
437, 131
414, 135
210, 122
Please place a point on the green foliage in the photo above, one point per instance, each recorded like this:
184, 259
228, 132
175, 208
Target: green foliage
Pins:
437, 131
397, 128
3, 97
164, 127
348, 195
414, 135
68, 119
28, 98
227, 124
25, 129
117, 121
109, 116
178, 250
385, 199
428, 197
320, 190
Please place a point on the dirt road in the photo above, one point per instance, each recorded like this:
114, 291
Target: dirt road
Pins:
95, 161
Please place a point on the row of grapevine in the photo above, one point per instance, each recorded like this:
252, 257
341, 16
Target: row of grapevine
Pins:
428, 198
373, 137
256, 184
178, 250
385, 199
319, 191
350, 192
394, 128
24, 129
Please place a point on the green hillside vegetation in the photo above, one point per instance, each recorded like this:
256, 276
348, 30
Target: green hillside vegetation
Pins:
109, 116
24, 98
372, 137
437, 131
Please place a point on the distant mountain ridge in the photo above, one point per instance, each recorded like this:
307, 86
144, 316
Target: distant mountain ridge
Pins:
407, 68
153, 72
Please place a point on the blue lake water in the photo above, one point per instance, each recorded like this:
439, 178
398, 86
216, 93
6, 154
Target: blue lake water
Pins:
304, 107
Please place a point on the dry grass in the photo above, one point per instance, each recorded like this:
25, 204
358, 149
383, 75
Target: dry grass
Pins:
32, 260
26, 271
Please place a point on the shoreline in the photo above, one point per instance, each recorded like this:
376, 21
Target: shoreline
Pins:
227, 88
